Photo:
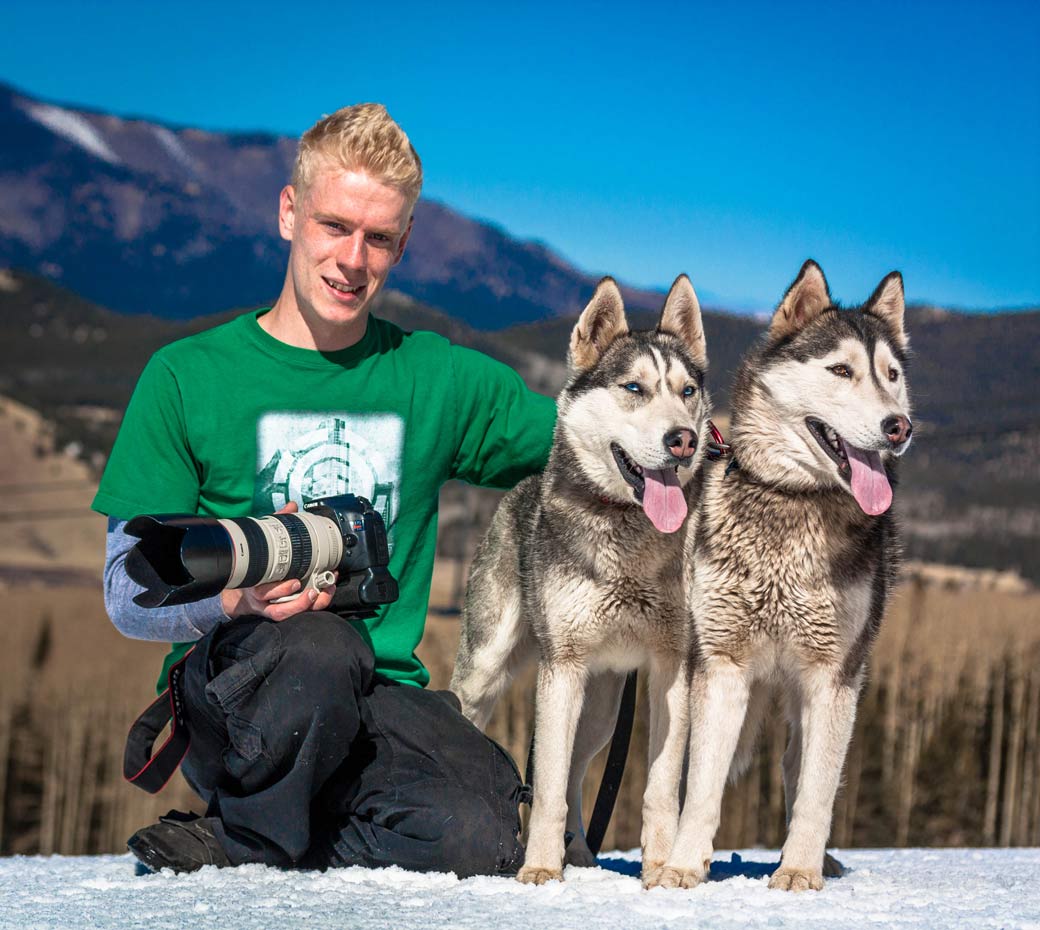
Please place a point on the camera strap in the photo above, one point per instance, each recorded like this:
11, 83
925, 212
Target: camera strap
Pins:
140, 766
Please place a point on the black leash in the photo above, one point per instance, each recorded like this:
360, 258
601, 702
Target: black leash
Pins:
615, 769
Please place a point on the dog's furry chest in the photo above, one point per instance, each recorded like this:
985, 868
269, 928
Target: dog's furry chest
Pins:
780, 578
606, 587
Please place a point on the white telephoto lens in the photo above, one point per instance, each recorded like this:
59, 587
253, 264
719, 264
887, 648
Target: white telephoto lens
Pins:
290, 545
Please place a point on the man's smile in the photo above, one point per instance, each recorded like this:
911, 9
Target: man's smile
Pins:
342, 287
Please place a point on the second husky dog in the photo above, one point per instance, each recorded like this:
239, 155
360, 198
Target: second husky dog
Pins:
793, 552
581, 568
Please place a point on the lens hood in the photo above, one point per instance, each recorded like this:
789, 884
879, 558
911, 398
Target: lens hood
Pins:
181, 558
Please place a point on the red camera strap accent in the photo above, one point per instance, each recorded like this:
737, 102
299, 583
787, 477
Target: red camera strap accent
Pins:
141, 767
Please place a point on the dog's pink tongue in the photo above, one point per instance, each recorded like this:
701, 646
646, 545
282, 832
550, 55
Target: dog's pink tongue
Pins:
663, 500
870, 484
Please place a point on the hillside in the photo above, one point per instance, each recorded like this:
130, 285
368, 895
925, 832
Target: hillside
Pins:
49, 532
68, 355
971, 483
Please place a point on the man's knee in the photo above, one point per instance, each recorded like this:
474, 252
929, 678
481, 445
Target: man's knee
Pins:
479, 835
324, 650
323, 670
283, 693
443, 828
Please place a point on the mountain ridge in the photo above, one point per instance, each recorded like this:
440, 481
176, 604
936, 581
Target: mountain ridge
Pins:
143, 217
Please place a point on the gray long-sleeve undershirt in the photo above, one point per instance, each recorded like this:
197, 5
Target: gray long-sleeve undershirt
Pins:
179, 624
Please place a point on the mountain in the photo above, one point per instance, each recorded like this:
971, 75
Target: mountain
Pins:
178, 222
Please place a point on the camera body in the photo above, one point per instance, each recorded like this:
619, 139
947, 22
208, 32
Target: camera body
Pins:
184, 557
363, 576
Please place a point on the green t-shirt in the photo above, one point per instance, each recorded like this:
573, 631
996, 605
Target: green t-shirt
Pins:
232, 422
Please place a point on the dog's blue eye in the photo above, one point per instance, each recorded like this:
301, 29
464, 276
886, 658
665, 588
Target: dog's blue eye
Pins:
633, 386
688, 390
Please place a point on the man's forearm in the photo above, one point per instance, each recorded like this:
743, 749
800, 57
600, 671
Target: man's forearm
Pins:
178, 624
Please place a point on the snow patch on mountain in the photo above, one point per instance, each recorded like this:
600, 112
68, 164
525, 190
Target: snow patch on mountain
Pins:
74, 128
175, 148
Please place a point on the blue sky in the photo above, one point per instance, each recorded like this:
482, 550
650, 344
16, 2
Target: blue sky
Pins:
639, 140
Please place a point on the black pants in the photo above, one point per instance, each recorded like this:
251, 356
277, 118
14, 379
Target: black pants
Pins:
310, 759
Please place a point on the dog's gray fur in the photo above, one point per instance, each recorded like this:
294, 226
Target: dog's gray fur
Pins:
788, 572
573, 572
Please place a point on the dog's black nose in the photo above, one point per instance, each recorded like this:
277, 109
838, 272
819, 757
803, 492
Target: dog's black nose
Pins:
681, 443
897, 429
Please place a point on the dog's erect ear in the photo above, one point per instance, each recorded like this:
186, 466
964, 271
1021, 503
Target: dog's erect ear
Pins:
887, 304
682, 317
805, 300
600, 323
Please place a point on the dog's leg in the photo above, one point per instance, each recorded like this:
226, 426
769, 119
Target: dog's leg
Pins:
832, 867
828, 714
759, 704
792, 754
596, 726
559, 702
669, 701
718, 702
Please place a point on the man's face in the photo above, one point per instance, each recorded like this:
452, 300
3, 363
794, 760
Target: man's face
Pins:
347, 231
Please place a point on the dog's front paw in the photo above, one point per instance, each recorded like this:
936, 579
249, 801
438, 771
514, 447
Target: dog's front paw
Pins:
832, 868
785, 879
651, 872
666, 876
533, 875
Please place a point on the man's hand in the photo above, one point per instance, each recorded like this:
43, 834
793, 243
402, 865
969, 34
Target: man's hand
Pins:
259, 601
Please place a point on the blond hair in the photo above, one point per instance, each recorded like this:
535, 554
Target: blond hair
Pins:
362, 137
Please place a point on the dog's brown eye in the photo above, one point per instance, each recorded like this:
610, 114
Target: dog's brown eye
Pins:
893, 374
842, 371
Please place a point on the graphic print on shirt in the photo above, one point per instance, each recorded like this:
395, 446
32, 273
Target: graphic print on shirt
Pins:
303, 456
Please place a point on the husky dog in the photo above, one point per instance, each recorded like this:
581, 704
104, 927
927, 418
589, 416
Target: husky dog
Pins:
582, 568
790, 557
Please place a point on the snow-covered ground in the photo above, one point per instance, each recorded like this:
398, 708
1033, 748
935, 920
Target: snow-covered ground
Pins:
906, 888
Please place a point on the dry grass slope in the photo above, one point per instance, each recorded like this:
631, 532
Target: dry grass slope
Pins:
946, 752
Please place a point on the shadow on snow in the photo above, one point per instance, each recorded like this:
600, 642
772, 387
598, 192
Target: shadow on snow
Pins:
720, 870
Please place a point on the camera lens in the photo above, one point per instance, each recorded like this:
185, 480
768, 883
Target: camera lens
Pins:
183, 557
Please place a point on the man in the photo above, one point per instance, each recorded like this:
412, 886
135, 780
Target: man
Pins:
312, 741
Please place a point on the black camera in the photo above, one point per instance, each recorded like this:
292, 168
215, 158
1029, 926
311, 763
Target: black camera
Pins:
184, 557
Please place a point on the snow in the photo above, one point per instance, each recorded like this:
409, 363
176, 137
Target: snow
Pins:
906, 888
174, 147
73, 127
